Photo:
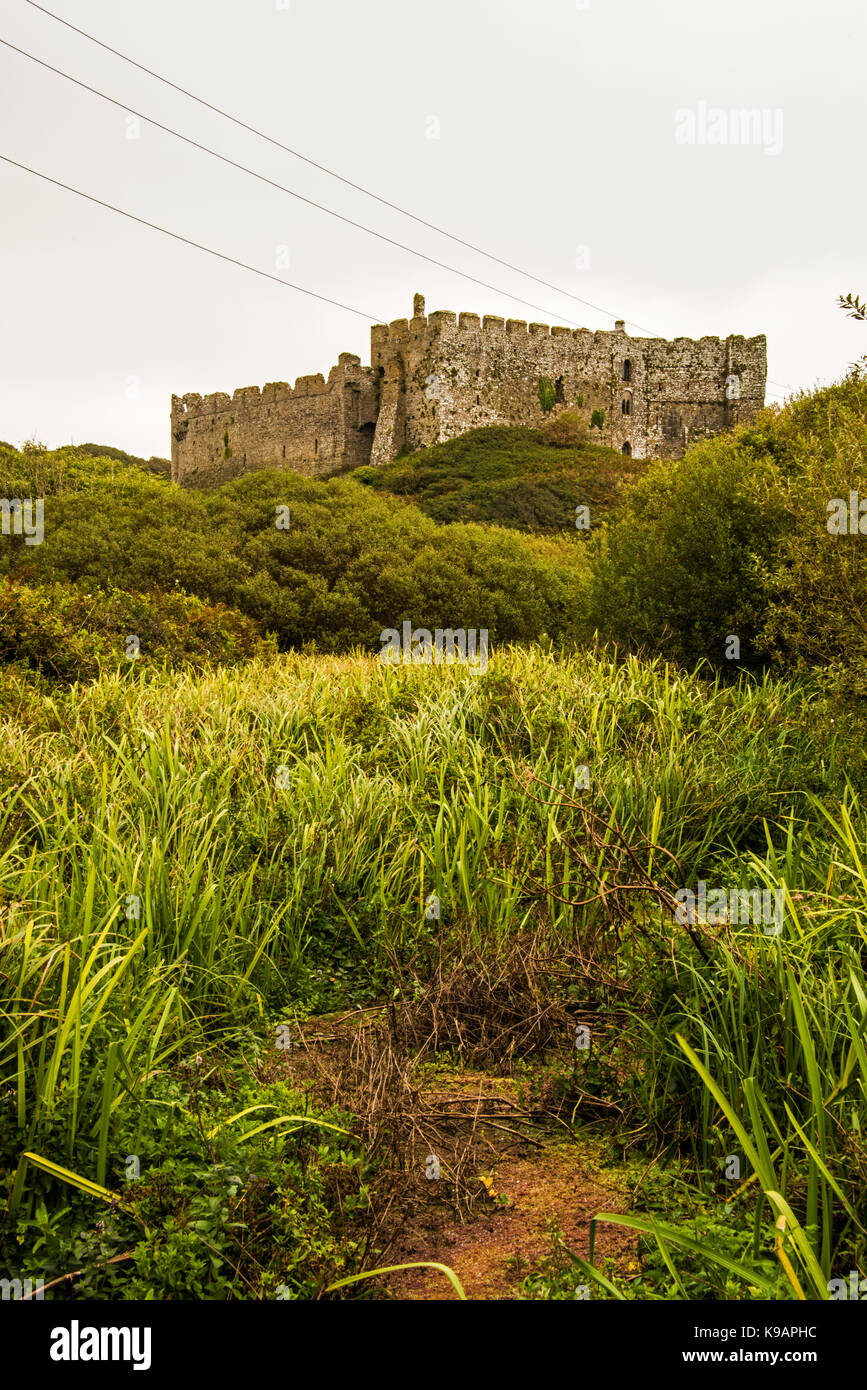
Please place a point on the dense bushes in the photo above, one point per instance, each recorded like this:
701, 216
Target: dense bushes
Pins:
680, 568
733, 540
315, 562
566, 431
68, 635
729, 542
280, 826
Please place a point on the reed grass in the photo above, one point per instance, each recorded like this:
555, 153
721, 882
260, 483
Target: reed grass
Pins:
179, 856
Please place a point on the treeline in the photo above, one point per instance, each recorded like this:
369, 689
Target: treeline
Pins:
742, 538
725, 555
316, 564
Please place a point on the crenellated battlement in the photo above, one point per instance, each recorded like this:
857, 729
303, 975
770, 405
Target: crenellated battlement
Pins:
437, 375
193, 405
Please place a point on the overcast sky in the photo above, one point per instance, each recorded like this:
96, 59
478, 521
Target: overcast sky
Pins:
590, 145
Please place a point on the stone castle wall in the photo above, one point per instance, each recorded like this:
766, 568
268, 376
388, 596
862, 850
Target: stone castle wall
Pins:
458, 372
317, 427
436, 376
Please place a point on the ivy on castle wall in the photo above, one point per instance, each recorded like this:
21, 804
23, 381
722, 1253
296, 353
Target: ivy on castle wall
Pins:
547, 394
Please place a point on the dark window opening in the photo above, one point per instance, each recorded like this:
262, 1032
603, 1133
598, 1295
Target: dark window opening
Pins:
316, 446
627, 449
559, 393
478, 400
627, 370
626, 406
284, 450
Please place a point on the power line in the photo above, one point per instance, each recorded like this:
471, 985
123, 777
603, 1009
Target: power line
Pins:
320, 207
359, 188
188, 241
291, 192
154, 226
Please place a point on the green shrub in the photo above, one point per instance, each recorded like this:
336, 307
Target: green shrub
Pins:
353, 563
547, 394
676, 570
732, 540
67, 635
567, 431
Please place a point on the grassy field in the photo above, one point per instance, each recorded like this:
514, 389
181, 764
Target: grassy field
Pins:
191, 862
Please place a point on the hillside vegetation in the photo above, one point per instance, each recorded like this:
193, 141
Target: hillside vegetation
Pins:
254, 833
318, 562
731, 541
508, 477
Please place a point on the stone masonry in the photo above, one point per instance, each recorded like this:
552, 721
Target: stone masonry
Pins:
435, 376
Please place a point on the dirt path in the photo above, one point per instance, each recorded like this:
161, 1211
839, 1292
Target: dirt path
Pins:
527, 1172
494, 1252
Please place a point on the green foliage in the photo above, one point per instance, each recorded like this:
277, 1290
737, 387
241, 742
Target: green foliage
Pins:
547, 394
508, 477
733, 540
150, 465
852, 304
35, 471
68, 635
354, 563
261, 896
816, 582
676, 569
597, 419
567, 431
218, 1211
188, 858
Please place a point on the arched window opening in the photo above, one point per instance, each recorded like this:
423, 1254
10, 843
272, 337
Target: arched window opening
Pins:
626, 406
627, 449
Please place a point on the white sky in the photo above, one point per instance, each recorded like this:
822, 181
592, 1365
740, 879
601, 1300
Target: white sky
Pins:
557, 130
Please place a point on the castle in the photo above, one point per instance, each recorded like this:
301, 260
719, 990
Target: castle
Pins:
435, 376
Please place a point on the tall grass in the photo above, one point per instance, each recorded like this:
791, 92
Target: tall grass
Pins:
190, 857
